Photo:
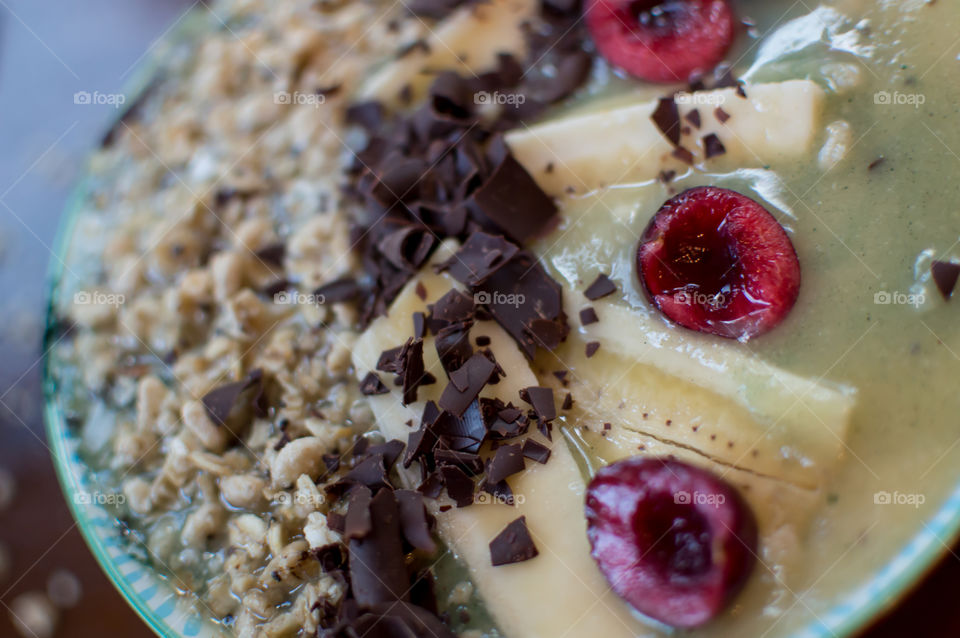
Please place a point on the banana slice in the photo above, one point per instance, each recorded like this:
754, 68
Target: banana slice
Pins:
550, 496
623, 145
467, 41
765, 419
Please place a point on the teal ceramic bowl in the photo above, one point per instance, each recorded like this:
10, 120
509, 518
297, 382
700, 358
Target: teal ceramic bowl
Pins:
155, 597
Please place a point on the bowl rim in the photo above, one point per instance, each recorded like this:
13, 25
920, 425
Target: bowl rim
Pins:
845, 615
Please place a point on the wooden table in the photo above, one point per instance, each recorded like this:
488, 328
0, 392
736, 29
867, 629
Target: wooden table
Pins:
48, 51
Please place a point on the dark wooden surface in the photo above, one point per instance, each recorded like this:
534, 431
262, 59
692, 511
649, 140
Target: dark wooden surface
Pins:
49, 50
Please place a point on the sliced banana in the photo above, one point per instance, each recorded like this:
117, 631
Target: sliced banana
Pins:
467, 41
623, 145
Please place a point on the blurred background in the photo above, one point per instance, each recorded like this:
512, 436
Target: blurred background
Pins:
50, 49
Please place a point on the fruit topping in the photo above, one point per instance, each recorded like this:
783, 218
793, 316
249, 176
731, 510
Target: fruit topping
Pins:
716, 261
675, 541
661, 40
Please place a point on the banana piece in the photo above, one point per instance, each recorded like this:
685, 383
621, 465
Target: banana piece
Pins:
467, 41
623, 145
780, 424
550, 496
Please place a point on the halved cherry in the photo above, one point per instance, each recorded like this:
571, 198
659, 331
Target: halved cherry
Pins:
675, 541
661, 40
716, 261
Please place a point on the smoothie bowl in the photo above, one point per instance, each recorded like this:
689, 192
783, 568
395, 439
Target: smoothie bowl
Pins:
518, 318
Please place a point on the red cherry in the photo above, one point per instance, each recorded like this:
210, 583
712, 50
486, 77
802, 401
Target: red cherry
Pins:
661, 40
675, 541
716, 261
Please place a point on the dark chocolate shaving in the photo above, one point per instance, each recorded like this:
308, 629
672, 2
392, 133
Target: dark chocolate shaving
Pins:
338, 291
413, 520
507, 461
592, 348
513, 544
693, 117
513, 201
466, 383
479, 257
712, 146
222, 401
357, 523
721, 115
588, 316
542, 401
945, 275
601, 287
372, 385
667, 118
378, 573
459, 485
536, 451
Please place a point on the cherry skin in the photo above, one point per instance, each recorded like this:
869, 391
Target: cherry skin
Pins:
675, 541
663, 41
716, 261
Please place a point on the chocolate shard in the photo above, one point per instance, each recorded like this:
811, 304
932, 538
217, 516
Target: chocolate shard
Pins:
667, 118
466, 383
423, 440
459, 486
395, 620
453, 345
453, 307
503, 421
513, 544
419, 325
371, 471
480, 256
588, 316
372, 385
470, 463
513, 201
542, 401
693, 117
345, 289
524, 299
413, 372
357, 523
391, 451
591, 348
464, 434
567, 402
432, 485
337, 522
507, 461
221, 401
712, 146
536, 451
721, 115
378, 573
413, 520
272, 254
601, 287
390, 360
500, 491
683, 154
407, 247
945, 275
367, 115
